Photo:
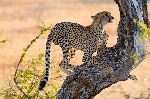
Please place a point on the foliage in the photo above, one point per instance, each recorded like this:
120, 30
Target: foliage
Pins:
28, 75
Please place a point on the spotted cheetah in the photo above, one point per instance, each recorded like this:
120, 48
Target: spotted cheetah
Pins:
69, 35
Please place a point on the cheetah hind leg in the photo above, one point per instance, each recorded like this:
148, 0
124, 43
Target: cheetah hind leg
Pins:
64, 65
71, 54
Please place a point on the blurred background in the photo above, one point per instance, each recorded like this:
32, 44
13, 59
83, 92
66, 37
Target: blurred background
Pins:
19, 21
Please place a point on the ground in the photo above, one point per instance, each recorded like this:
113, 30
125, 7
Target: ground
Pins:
19, 22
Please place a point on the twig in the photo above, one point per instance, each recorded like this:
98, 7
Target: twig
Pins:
20, 61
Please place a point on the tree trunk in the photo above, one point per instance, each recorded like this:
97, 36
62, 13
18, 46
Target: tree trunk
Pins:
91, 78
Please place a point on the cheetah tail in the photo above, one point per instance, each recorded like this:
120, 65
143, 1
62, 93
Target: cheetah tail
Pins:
48, 62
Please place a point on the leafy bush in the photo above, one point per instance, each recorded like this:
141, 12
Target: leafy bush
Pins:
28, 75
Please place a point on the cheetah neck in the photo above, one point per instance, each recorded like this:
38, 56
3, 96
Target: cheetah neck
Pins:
98, 29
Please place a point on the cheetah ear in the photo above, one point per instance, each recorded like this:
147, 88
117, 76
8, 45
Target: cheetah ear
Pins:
93, 17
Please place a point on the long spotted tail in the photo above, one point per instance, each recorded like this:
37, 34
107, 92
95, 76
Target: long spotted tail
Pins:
48, 63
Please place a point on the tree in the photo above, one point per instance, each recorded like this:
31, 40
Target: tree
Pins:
90, 79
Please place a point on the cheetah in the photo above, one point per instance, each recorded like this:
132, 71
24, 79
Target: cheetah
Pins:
88, 39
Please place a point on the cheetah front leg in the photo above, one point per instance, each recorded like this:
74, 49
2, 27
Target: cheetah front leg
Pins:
101, 49
72, 52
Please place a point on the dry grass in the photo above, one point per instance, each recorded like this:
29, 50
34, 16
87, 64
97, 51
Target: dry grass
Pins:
19, 20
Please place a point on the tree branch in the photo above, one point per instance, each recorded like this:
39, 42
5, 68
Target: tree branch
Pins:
116, 62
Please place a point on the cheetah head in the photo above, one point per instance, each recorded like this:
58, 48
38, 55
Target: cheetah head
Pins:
102, 18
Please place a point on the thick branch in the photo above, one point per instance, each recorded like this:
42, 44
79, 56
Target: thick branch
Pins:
115, 63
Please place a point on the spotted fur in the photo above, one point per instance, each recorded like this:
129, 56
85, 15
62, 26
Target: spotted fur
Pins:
69, 35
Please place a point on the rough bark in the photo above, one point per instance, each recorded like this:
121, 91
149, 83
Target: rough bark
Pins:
90, 79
